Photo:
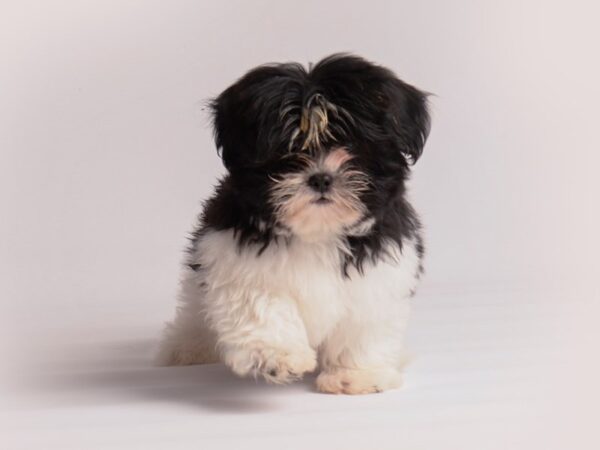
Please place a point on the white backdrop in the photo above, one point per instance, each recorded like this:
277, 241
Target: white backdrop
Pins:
106, 151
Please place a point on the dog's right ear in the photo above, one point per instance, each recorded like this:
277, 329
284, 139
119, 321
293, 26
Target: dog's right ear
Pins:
246, 116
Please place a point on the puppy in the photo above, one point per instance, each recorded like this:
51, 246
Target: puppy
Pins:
308, 252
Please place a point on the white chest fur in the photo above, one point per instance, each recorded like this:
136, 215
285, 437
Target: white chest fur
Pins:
309, 274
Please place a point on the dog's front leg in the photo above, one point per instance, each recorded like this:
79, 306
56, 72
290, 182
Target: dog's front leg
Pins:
259, 333
365, 353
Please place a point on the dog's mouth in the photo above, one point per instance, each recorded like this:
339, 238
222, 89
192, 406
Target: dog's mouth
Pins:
322, 200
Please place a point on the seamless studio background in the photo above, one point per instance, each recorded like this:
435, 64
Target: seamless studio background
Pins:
106, 154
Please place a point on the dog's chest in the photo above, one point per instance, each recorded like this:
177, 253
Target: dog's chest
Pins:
307, 273
311, 274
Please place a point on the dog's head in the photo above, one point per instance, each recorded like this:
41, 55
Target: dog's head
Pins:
323, 152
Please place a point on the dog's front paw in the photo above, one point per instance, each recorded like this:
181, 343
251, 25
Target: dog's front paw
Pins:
276, 365
358, 381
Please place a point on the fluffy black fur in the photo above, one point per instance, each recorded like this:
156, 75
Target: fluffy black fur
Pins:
380, 119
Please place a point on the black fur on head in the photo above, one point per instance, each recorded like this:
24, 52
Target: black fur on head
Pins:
259, 117
280, 123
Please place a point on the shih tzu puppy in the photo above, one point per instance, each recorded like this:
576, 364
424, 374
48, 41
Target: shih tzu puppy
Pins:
308, 252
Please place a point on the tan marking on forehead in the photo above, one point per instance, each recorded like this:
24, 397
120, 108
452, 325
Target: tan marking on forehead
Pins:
336, 158
304, 121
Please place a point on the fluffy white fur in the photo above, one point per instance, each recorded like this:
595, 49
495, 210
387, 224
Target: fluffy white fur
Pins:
288, 310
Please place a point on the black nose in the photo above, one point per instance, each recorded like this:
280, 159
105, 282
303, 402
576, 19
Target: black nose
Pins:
320, 182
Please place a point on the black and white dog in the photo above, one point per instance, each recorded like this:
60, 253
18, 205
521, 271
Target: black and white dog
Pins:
308, 252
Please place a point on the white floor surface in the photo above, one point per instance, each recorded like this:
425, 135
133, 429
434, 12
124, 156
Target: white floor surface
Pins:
484, 376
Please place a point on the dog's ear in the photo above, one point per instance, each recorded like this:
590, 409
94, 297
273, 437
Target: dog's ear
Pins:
407, 119
246, 115
383, 106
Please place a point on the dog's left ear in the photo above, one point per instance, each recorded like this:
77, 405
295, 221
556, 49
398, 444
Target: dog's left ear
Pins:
407, 119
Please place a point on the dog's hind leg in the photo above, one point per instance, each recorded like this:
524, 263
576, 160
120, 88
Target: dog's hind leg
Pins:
187, 339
